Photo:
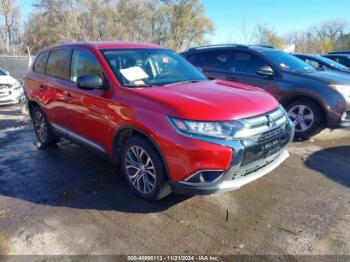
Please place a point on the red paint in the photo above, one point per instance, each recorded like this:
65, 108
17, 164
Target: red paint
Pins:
98, 114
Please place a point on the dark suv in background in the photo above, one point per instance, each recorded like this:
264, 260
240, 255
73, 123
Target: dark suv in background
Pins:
314, 99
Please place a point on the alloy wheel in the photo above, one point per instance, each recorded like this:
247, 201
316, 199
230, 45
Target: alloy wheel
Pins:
140, 169
302, 116
40, 126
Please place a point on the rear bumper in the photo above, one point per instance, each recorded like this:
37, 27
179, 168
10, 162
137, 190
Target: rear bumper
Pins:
229, 185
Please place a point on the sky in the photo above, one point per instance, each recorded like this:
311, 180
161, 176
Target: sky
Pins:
235, 18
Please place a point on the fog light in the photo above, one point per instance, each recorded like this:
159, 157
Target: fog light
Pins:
206, 176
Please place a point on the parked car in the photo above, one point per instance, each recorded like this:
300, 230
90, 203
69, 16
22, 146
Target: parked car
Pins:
314, 99
322, 63
147, 108
340, 52
341, 58
10, 89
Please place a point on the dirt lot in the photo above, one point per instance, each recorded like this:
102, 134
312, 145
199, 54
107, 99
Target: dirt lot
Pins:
66, 200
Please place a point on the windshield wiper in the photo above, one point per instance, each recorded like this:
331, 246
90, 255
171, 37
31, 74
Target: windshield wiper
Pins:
183, 82
137, 86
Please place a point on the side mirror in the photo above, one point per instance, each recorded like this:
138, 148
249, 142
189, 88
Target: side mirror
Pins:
90, 82
265, 71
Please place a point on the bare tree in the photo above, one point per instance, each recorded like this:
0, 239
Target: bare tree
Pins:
10, 14
266, 35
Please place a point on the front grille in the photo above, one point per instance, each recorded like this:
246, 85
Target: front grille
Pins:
270, 134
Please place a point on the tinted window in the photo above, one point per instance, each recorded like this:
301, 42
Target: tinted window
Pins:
343, 60
244, 62
2, 72
313, 63
40, 62
84, 63
58, 62
212, 59
288, 62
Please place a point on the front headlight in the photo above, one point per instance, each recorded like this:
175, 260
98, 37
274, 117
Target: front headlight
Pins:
223, 130
343, 89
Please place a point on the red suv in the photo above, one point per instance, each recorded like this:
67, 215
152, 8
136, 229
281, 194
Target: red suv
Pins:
148, 109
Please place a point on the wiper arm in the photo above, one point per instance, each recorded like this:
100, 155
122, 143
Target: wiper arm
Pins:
183, 82
135, 86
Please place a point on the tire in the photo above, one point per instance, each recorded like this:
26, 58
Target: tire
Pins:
143, 169
307, 117
43, 128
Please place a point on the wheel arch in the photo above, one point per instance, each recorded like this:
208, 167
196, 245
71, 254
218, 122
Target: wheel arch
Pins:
126, 131
292, 98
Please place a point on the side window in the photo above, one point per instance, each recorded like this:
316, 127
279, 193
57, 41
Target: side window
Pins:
214, 59
40, 62
244, 62
313, 63
58, 63
84, 63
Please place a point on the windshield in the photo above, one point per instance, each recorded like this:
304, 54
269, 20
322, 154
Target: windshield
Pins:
332, 63
149, 67
288, 62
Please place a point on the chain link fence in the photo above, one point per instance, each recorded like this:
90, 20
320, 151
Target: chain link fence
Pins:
17, 66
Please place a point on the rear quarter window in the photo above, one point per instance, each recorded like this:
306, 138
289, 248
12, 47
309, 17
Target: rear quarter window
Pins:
58, 64
40, 62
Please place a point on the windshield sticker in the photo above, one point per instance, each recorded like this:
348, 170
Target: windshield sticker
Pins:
134, 73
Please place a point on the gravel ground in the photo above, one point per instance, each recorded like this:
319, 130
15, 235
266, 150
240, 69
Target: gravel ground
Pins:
66, 200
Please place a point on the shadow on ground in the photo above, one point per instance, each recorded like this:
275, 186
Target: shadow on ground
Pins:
330, 162
67, 175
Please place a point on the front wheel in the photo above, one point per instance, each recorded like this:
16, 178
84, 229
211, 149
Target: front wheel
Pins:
307, 117
143, 169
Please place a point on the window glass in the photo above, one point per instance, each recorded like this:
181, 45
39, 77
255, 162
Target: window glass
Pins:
313, 63
288, 62
40, 62
2, 72
214, 59
150, 67
244, 62
57, 64
84, 63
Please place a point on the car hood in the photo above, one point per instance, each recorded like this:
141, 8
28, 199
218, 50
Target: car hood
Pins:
5, 80
330, 77
215, 100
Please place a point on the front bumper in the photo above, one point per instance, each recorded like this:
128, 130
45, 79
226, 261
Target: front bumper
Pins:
10, 98
229, 185
252, 158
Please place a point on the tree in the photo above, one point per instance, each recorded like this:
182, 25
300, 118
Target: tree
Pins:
177, 24
10, 15
266, 35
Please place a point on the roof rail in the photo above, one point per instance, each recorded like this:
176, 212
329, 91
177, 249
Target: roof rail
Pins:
265, 46
340, 52
218, 46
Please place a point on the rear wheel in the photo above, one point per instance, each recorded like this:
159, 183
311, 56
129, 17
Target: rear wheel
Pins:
42, 128
143, 169
307, 117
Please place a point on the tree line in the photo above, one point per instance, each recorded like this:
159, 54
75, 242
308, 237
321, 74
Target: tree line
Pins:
177, 24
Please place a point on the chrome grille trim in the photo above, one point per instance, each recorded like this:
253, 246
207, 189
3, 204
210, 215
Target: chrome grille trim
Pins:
269, 122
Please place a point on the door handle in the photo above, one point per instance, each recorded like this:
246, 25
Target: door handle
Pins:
67, 95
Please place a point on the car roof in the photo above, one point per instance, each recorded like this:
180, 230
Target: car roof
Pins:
107, 45
344, 55
307, 55
258, 48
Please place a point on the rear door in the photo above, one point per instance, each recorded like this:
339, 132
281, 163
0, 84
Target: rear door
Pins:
57, 100
214, 63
